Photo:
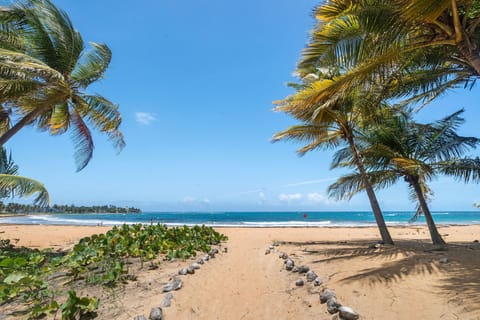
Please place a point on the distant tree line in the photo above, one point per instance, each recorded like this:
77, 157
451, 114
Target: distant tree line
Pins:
13, 207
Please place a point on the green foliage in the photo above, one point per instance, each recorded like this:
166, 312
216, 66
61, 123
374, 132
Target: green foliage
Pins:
22, 275
99, 259
13, 207
83, 307
12, 185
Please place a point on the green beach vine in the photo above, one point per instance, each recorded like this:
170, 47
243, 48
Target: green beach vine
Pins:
27, 276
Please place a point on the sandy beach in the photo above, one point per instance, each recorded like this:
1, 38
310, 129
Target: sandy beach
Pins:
405, 281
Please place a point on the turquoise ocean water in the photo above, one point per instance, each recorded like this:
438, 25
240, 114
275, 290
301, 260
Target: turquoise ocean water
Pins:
246, 219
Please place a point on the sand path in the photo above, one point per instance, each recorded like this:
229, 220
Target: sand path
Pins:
243, 282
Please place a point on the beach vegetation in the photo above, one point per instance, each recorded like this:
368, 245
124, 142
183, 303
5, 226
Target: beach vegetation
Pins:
329, 123
13, 207
46, 71
402, 149
393, 56
417, 50
30, 278
13, 185
331, 126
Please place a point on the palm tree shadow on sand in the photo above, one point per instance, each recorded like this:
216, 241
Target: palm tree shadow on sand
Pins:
460, 273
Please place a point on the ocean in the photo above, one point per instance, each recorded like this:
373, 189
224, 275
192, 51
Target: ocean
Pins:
246, 219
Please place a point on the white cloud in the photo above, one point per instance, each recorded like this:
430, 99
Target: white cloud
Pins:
189, 200
316, 197
145, 118
195, 201
289, 197
261, 197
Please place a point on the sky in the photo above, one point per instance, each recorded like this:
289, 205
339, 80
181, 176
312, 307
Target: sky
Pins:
195, 81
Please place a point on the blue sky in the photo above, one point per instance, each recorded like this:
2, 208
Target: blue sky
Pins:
195, 81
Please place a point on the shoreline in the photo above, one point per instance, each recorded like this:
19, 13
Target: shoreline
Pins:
290, 219
240, 226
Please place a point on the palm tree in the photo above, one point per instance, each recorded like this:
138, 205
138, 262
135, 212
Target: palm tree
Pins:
46, 72
421, 47
330, 126
416, 153
12, 185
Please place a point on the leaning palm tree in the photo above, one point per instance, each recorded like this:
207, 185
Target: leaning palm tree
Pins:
12, 185
416, 153
437, 41
331, 126
54, 71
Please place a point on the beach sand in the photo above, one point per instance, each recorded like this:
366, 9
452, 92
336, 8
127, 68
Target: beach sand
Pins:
405, 281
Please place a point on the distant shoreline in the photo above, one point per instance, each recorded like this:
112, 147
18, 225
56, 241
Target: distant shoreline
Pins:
294, 219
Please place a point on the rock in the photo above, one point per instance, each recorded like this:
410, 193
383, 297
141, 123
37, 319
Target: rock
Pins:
295, 269
206, 258
166, 303
311, 275
176, 284
152, 266
156, 314
140, 318
169, 296
225, 250
335, 317
195, 266
475, 241
212, 253
327, 295
332, 306
283, 255
271, 247
443, 260
347, 313
374, 246
299, 282
190, 270
303, 269
289, 264
317, 282
275, 244
182, 271
200, 261
267, 251
129, 276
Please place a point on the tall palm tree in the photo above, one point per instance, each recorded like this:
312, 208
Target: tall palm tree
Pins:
372, 40
416, 153
51, 71
12, 185
330, 126
435, 43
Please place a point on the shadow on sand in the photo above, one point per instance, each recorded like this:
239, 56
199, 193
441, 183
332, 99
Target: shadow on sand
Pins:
457, 263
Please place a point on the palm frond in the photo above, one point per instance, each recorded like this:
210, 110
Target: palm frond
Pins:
92, 65
465, 170
82, 139
103, 115
349, 185
24, 187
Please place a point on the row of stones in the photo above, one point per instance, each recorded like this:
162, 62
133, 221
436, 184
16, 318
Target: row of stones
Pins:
156, 313
326, 296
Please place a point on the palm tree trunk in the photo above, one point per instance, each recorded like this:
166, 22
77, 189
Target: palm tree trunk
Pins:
19, 125
434, 234
377, 212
